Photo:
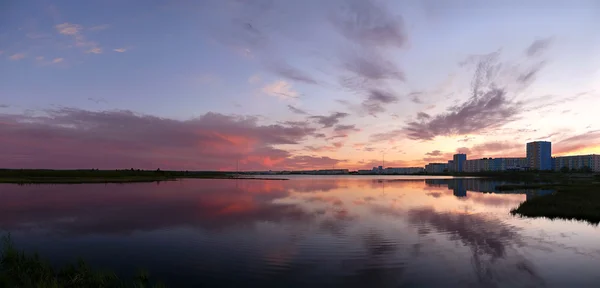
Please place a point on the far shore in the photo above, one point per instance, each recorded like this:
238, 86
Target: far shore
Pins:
92, 176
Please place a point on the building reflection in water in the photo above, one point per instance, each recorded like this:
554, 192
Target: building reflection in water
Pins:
461, 186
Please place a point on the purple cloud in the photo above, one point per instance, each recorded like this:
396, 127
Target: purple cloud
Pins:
297, 110
63, 138
538, 46
329, 121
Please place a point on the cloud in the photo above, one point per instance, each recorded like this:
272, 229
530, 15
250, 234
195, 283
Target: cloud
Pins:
434, 153
62, 139
39, 58
76, 32
498, 148
57, 60
120, 50
329, 121
99, 27
17, 56
4, 106
285, 70
280, 89
345, 128
423, 116
377, 99
577, 143
387, 136
342, 131
296, 110
489, 105
372, 68
368, 24
436, 159
488, 111
415, 97
538, 46
69, 29
95, 50
361, 62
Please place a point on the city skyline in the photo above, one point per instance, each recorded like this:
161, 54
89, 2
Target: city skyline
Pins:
275, 85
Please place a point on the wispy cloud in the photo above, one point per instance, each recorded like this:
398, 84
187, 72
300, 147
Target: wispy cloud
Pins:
76, 32
95, 50
492, 103
329, 121
577, 143
120, 50
17, 56
538, 46
376, 101
280, 89
297, 110
69, 29
57, 60
4, 105
287, 71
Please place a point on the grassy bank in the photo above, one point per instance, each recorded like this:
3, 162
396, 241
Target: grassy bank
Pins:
18, 269
28, 176
578, 200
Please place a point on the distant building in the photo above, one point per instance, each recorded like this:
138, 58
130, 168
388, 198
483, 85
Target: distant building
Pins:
577, 162
459, 162
332, 172
495, 164
435, 168
539, 155
451, 167
403, 170
363, 172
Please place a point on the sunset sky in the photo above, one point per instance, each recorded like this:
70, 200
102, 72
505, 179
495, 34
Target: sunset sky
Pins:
287, 84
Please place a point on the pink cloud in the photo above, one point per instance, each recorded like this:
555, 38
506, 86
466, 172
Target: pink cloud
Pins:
73, 138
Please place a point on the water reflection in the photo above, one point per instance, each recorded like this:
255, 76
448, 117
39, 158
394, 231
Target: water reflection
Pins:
353, 232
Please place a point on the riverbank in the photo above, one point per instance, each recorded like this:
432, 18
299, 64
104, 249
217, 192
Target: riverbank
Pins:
18, 269
575, 200
111, 176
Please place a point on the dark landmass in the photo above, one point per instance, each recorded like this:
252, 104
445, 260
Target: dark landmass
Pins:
574, 199
38, 176
18, 269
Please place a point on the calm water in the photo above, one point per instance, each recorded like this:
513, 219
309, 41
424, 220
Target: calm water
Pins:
308, 231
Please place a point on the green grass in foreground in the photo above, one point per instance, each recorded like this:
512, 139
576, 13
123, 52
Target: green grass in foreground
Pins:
573, 201
18, 269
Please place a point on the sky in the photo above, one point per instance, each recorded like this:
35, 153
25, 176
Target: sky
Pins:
285, 84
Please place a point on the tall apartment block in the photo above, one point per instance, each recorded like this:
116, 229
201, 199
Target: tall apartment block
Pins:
459, 162
539, 155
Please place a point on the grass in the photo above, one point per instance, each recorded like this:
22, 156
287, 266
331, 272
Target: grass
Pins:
37, 176
511, 187
18, 269
575, 200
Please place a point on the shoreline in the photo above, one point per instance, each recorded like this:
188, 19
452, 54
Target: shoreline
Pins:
101, 180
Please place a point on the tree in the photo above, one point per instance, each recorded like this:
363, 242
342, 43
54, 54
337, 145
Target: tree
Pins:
564, 169
585, 169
